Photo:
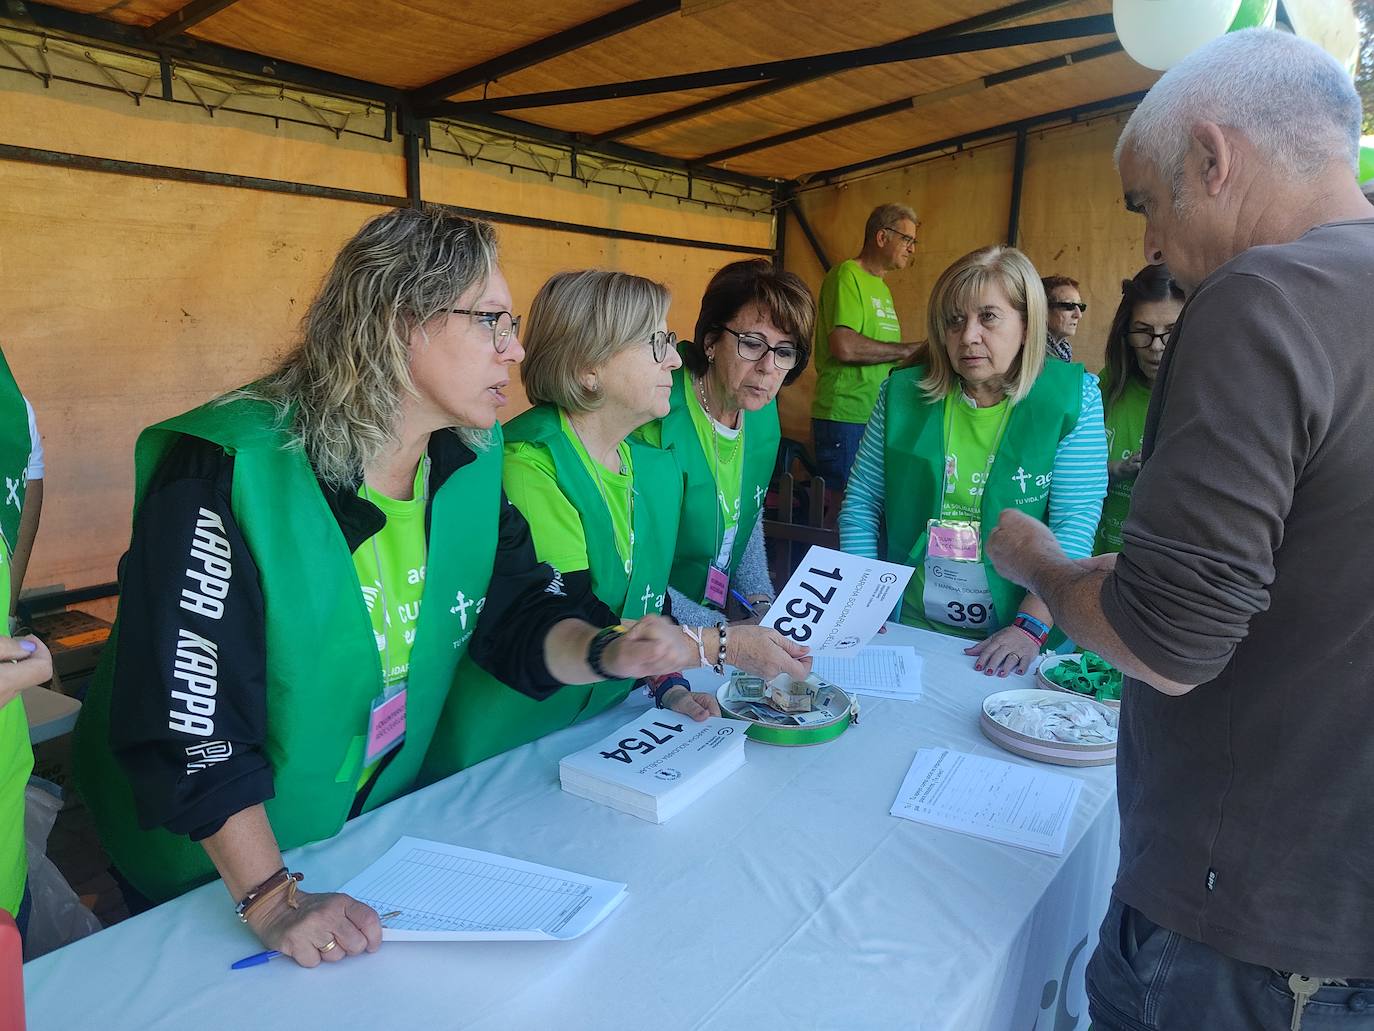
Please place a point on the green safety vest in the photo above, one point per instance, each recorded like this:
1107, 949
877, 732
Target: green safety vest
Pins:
702, 529
16, 755
322, 668
483, 717
913, 459
1125, 431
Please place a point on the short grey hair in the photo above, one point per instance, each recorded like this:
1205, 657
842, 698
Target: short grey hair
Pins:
1288, 96
578, 322
886, 215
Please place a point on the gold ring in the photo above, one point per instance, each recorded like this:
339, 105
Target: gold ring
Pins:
332, 942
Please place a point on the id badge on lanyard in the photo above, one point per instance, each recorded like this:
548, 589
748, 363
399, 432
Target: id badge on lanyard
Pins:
386, 723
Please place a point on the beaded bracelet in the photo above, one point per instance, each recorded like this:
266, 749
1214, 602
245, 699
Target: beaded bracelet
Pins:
719, 667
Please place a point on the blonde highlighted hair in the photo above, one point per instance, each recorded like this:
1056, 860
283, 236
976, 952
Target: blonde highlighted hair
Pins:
959, 290
343, 384
578, 322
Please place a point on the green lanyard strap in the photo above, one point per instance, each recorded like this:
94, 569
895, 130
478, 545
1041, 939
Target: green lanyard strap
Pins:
947, 441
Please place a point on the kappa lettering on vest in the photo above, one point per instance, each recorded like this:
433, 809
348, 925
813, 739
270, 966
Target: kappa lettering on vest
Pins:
196, 666
209, 569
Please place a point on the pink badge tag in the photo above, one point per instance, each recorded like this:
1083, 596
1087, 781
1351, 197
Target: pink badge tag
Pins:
386, 727
717, 585
958, 541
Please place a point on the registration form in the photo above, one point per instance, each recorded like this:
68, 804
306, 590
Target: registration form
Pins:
445, 892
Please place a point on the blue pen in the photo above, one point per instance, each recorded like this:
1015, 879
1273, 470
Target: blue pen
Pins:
254, 960
258, 958
743, 601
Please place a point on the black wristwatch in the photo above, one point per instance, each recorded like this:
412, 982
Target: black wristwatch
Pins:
597, 649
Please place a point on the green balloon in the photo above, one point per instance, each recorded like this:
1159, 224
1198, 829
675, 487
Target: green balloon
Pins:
1254, 14
1366, 163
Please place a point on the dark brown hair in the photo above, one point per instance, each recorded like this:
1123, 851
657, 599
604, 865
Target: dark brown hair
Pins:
1152, 283
782, 295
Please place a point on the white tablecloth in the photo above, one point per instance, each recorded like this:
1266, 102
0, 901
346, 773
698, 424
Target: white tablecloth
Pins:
787, 897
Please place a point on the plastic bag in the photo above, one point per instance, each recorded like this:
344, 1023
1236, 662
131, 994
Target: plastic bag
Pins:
57, 917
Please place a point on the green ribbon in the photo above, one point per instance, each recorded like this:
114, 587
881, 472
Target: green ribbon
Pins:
1090, 675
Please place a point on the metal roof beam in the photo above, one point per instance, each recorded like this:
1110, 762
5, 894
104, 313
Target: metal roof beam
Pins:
992, 19
546, 49
180, 20
910, 103
817, 65
1006, 128
619, 151
200, 52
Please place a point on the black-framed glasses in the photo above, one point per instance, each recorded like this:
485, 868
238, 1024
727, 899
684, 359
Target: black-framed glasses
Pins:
1070, 306
907, 238
662, 342
1143, 338
503, 325
751, 347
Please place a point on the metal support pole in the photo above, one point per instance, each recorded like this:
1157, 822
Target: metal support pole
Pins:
810, 235
1018, 177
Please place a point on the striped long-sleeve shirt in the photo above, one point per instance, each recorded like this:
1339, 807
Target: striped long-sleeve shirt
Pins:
1076, 491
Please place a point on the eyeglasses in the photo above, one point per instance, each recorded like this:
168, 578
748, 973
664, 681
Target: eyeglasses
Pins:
503, 325
907, 238
662, 342
1069, 306
1144, 338
752, 347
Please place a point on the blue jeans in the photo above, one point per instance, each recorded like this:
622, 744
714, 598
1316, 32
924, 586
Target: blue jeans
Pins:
837, 445
1145, 978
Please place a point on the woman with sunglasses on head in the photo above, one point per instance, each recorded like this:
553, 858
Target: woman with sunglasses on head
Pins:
603, 509
984, 423
1150, 305
1066, 310
269, 676
752, 337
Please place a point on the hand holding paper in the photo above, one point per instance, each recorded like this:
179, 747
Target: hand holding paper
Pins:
835, 602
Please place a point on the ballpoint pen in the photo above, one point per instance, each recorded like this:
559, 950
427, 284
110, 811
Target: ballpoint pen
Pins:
259, 958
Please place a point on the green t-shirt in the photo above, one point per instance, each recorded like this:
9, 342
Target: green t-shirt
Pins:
391, 573
15, 764
724, 451
852, 298
531, 483
971, 442
1125, 432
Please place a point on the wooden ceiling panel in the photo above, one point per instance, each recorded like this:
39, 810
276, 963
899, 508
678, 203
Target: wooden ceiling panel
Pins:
404, 45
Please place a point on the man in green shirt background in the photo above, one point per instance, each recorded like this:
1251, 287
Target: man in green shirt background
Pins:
858, 339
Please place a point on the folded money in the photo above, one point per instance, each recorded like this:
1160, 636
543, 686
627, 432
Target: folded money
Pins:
746, 688
788, 695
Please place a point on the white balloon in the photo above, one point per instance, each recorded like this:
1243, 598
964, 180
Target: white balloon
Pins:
1160, 33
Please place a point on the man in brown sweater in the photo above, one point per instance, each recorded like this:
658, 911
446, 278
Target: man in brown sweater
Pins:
1241, 606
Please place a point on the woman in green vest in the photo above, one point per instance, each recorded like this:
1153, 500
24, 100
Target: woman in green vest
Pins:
983, 425
312, 556
1150, 305
753, 336
24, 662
602, 507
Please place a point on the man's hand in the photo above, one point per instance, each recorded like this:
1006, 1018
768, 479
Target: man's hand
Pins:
1020, 546
1126, 470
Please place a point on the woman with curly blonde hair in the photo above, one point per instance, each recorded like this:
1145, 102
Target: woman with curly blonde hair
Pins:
270, 675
